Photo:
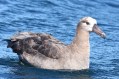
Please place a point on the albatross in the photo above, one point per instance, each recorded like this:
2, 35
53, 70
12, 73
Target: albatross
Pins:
42, 50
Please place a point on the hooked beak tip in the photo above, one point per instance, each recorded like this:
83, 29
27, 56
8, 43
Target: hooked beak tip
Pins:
98, 31
103, 35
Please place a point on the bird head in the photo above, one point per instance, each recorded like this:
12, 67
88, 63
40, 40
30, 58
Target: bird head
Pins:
90, 24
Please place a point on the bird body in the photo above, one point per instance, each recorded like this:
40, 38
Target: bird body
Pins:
44, 51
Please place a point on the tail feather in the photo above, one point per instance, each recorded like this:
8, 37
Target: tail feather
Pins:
15, 45
7, 40
15, 42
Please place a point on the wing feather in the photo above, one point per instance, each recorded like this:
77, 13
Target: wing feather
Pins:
37, 43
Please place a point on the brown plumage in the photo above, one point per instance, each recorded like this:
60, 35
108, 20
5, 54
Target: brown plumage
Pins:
44, 51
34, 43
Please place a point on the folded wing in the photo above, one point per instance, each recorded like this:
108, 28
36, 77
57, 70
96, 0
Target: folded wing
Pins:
36, 43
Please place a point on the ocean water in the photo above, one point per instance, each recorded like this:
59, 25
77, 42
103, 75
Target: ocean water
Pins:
59, 18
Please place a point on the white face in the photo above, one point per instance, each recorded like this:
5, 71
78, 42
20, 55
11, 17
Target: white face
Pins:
87, 23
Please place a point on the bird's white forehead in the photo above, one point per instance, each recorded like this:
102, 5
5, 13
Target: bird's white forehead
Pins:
89, 19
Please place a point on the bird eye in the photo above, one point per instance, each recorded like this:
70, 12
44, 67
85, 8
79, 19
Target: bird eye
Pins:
87, 23
83, 22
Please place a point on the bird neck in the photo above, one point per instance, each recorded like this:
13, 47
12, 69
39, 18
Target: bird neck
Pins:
81, 39
81, 47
